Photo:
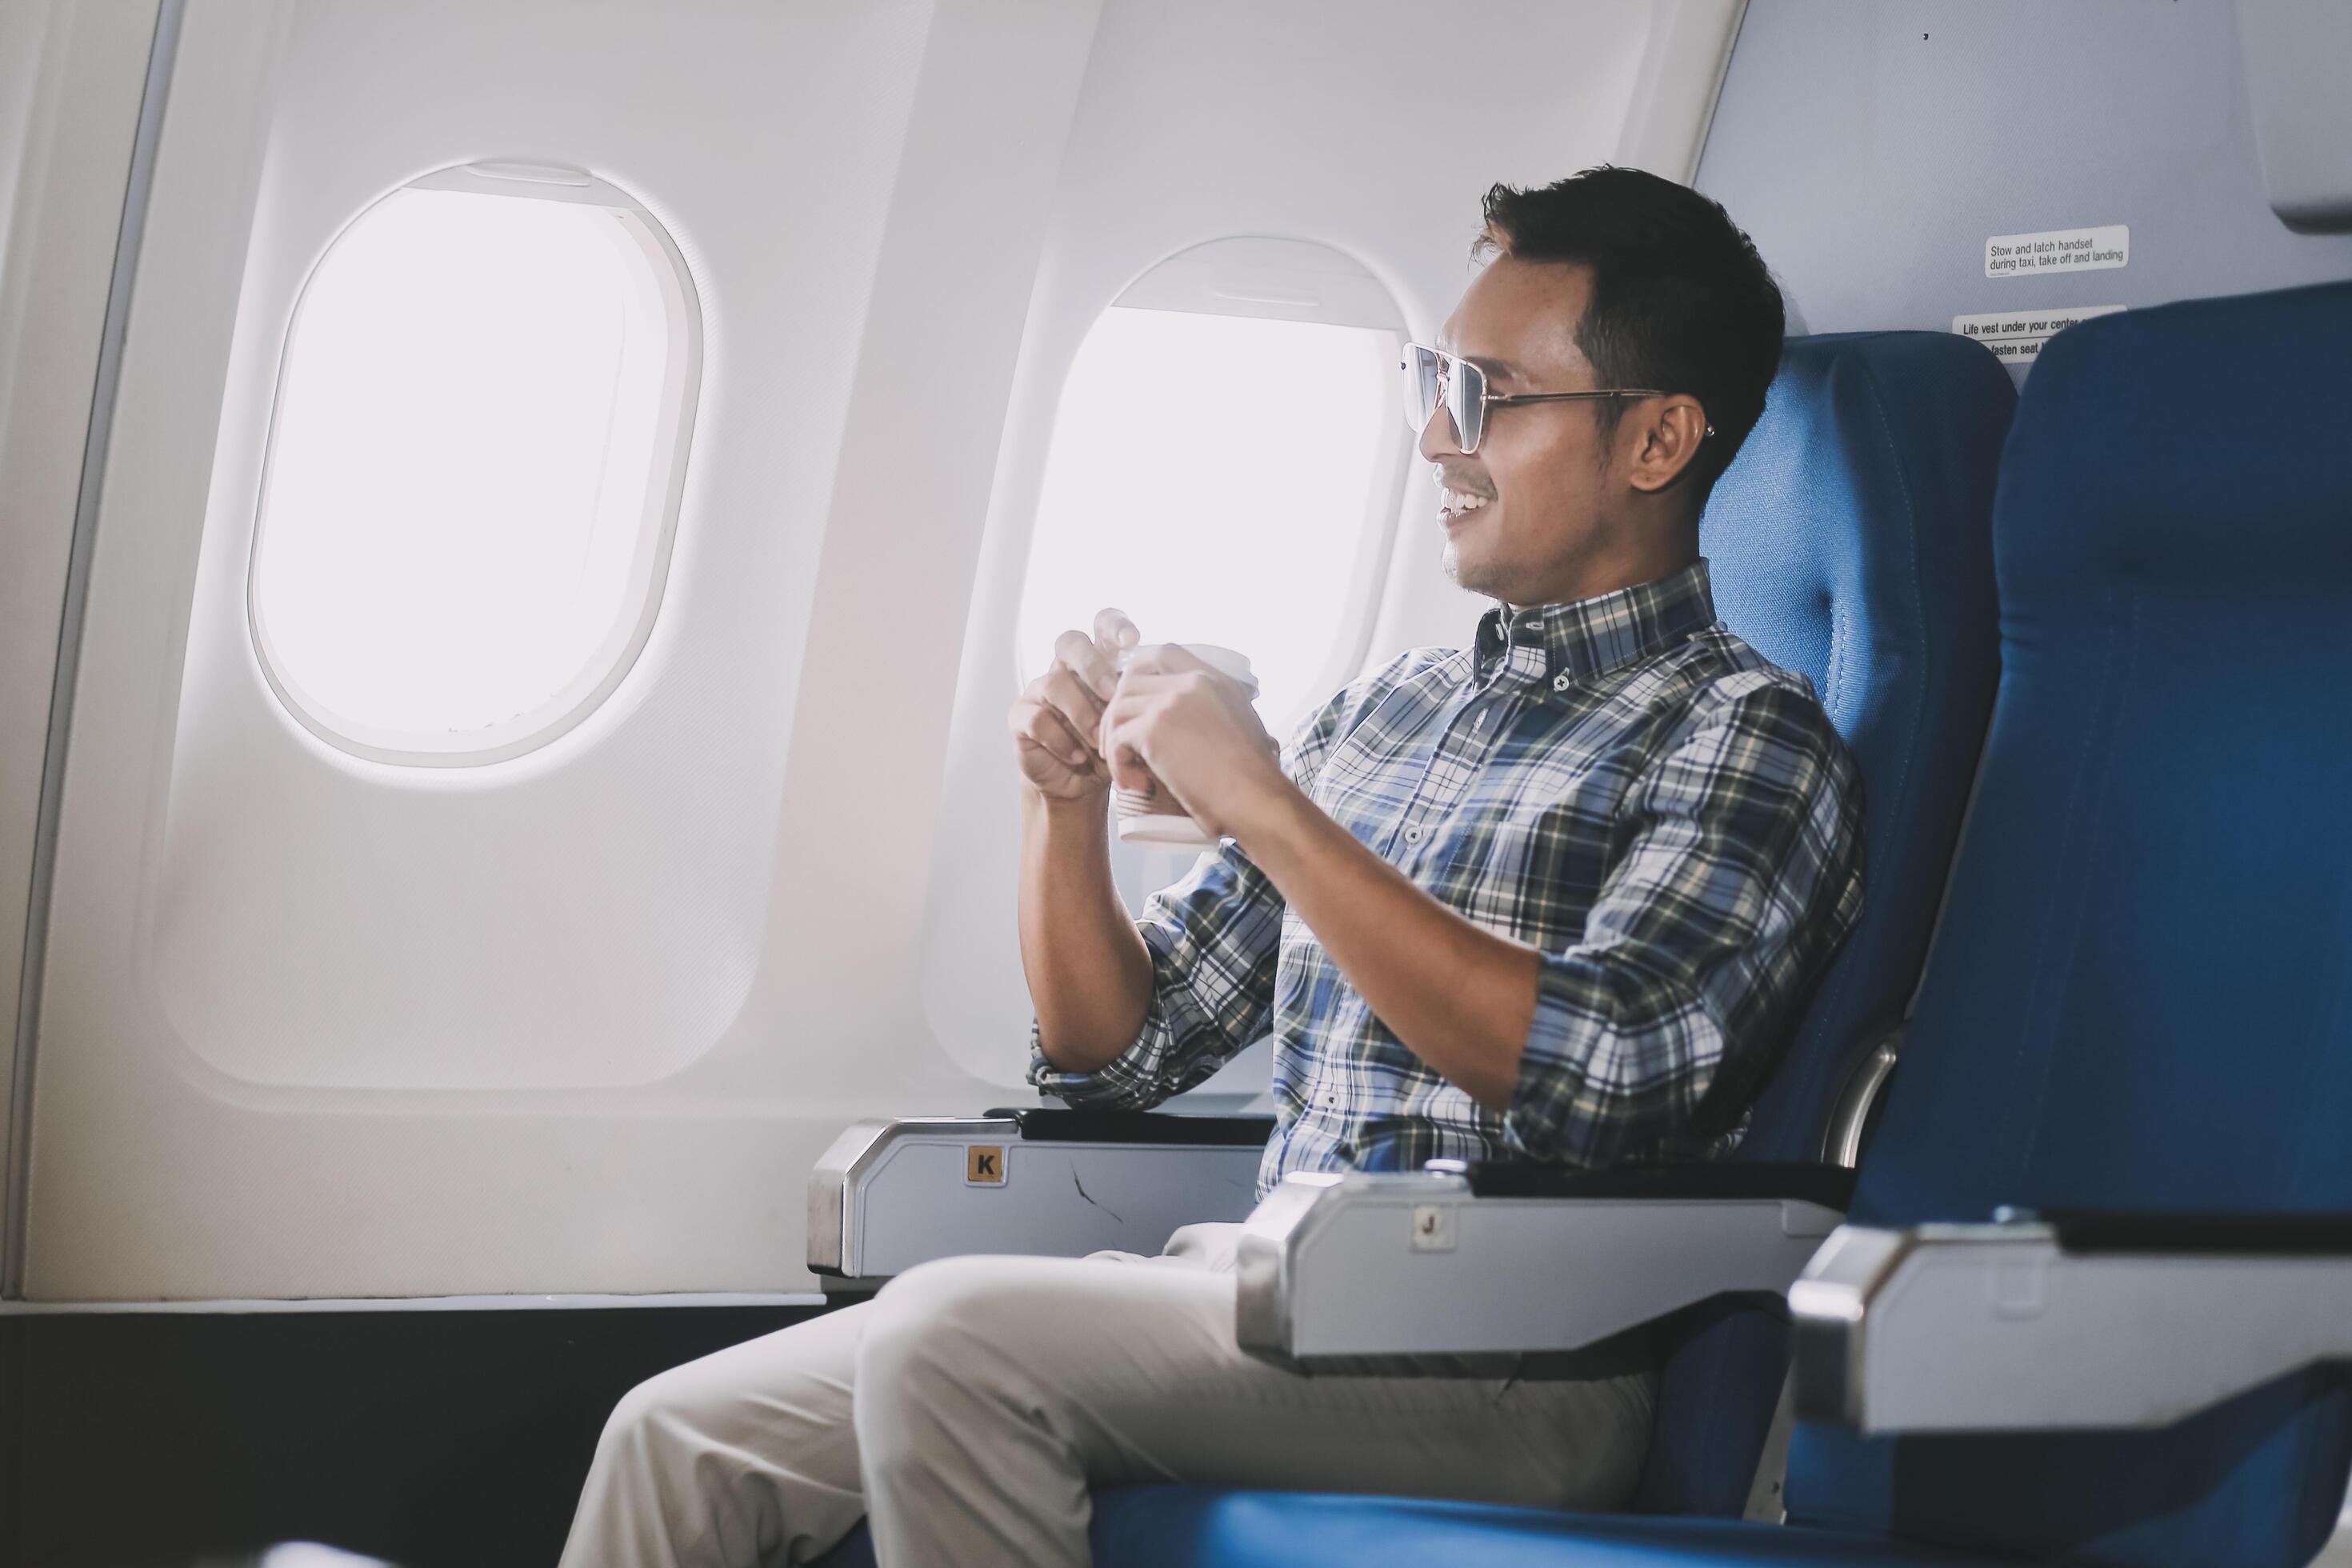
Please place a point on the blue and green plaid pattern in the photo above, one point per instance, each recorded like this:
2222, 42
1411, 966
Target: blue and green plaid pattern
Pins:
1620, 783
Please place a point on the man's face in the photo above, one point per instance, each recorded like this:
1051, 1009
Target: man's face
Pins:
1532, 513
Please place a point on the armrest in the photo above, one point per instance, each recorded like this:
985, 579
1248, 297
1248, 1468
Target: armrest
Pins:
1365, 1272
1830, 1186
2073, 1321
2085, 1232
891, 1194
1045, 1124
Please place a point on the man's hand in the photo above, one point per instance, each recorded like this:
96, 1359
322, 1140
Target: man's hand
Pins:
1058, 716
1172, 722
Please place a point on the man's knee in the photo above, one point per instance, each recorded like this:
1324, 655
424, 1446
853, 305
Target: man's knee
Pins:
948, 1335
653, 1417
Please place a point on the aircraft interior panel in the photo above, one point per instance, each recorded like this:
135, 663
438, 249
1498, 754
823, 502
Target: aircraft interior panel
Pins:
523, 526
74, 82
1883, 148
384, 917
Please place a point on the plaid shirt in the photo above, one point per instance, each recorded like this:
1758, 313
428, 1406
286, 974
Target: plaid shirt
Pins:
1620, 783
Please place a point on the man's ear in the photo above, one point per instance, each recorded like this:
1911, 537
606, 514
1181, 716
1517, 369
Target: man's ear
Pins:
1661, 439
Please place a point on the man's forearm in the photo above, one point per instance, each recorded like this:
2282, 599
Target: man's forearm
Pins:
1460, 999
1089, 973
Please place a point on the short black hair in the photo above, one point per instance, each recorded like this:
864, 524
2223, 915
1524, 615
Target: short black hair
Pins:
1680, 301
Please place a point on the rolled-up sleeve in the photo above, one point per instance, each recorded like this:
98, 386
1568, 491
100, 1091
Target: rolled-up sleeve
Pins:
1741, 874
1214, 937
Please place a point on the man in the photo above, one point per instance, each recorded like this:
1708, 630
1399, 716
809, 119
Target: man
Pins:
1554, 895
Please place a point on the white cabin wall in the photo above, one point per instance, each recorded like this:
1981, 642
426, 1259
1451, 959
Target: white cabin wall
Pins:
901, 553
1675, 91
71, 77
470, 930
197, 820
1872, 151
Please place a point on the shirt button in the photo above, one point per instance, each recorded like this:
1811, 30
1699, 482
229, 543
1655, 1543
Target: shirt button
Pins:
1480, 721
1559, 682
1412, 835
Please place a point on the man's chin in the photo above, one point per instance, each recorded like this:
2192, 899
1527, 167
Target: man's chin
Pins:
1469, 575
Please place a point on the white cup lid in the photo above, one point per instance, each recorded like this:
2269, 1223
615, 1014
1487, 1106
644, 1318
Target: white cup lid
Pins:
1225, 661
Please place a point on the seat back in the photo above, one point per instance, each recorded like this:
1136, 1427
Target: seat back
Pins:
2141, 998
1850, 541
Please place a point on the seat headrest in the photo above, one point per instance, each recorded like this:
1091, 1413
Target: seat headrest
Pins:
2200, 443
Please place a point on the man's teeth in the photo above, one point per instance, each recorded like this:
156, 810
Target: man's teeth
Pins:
1455, 500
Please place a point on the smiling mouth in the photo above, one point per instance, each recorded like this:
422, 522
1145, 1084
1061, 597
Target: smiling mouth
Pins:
1454, 505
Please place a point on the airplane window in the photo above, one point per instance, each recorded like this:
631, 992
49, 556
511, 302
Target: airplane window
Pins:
474, 465
1225, 466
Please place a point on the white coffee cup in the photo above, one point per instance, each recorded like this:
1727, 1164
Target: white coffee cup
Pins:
1157, 819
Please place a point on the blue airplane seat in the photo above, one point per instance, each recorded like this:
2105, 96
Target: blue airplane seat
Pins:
2140, 998
1848, 540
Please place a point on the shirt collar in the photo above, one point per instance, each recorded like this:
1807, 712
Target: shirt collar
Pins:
1592, 637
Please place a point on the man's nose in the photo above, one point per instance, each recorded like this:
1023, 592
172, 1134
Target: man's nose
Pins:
1438, 437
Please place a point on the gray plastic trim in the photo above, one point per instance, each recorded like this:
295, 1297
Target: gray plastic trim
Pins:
1827, 1300
1262, 1262
2294, 52
1842, 1144
842, 1170
1995, 1328
128, 239
890, 1194
1411, 1273
1768, 1491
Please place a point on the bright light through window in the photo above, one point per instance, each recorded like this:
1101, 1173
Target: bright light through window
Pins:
472, 469
1223, 479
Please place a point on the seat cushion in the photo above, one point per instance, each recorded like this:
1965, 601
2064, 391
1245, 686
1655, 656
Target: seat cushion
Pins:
1165, 1527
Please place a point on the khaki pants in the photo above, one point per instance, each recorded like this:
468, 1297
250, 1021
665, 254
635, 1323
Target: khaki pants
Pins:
970, 1405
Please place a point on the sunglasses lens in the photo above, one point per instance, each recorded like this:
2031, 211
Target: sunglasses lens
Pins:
1421, 387
1432, 379
1465, 400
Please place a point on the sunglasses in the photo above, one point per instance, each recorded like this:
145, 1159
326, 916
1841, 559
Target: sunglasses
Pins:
1435, 379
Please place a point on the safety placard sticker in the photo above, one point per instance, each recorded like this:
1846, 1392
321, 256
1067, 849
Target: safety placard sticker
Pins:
2058, 250
2016, 337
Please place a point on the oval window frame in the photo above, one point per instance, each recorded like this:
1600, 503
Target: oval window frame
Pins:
612, 658
1276, 277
